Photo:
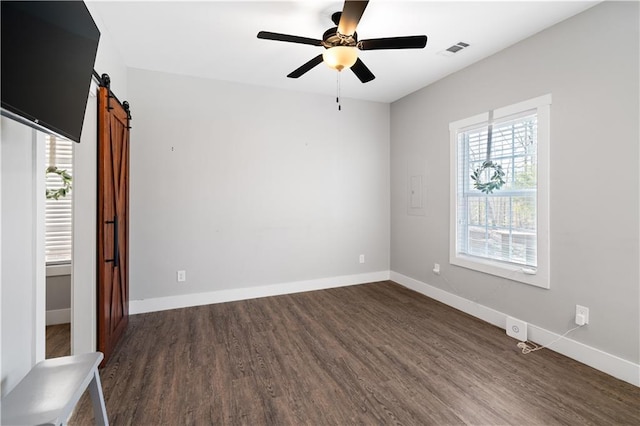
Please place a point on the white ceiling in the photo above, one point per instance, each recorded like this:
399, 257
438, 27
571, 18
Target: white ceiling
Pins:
217, 39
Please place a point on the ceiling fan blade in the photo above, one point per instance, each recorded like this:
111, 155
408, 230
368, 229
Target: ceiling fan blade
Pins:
306, 67
362, 72
351, 14
409, 42
289, 38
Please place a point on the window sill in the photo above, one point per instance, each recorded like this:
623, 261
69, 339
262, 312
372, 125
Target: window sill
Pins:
56, 270
538, 278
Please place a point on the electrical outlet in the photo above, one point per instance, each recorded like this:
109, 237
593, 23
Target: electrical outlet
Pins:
362, 258
516, 329
436, 268
582, 315
182, 276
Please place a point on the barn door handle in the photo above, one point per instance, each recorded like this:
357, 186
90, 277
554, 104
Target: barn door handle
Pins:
116, 245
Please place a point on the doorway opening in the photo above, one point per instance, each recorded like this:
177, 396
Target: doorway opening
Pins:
58, 244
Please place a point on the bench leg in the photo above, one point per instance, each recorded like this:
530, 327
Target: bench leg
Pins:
99, 409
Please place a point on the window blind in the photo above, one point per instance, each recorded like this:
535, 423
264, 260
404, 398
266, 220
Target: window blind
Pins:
502, 225
58, 233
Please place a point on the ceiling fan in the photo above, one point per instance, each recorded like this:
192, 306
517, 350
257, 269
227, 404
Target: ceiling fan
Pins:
342, 45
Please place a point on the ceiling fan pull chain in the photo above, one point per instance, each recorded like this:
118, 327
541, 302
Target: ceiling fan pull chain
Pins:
338, 91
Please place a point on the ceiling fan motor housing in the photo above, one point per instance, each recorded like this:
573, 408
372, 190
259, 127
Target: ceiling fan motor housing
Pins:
332, 38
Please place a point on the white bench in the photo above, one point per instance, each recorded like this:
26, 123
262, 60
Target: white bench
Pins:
50, 391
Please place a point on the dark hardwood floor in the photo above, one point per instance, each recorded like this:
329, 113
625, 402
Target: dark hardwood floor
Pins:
58, 341
367, 354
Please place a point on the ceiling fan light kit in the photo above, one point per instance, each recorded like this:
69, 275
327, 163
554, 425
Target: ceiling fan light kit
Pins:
340, 57
342, 45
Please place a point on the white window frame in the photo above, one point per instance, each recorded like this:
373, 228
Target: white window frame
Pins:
539, 277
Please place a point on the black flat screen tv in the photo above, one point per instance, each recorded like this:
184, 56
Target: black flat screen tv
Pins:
48, 54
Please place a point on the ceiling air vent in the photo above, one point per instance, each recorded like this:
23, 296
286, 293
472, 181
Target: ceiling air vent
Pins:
454, 49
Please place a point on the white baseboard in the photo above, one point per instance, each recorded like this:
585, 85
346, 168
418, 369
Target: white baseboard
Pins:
610, 364
605, 362
231, 295
58, 316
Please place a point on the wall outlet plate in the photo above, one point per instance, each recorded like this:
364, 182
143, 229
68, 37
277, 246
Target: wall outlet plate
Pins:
516, 329
584, 311
182, 276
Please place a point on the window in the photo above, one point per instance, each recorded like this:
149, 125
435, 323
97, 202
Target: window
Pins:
59, 153
503, 232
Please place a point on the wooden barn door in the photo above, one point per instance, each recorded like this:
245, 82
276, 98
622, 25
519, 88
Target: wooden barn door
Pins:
113, 221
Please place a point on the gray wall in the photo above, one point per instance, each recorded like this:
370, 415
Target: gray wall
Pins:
589, 64
243, 186
58, 292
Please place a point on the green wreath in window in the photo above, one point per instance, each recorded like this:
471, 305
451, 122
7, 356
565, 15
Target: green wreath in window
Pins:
495, 181
54, 194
